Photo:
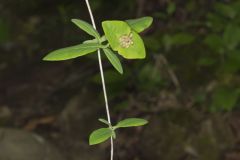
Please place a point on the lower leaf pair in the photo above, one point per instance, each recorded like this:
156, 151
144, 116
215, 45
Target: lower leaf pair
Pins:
103, 134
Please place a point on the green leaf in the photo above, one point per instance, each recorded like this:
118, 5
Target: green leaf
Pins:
134, 51
100, 135
114, 30
91, 41
102, 39
117, 30
131, 122
140, 24
72, 52
86, 27
114, 60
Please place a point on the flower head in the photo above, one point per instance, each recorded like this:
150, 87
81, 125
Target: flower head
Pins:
126, 40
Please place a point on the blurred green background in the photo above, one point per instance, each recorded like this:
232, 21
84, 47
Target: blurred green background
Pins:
187, 87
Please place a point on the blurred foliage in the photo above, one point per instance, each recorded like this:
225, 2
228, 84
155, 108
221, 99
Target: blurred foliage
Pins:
204, 50
193, 46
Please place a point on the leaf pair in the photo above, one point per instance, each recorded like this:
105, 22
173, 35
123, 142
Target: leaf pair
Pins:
122, 36
102, 134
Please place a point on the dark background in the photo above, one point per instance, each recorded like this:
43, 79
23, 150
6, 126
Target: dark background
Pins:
187, 87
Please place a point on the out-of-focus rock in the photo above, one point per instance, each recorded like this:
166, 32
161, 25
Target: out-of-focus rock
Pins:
21, 145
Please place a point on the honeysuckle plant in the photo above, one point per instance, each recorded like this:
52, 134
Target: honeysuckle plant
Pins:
121, 38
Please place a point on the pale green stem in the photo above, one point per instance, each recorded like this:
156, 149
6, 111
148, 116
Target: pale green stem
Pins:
102, 77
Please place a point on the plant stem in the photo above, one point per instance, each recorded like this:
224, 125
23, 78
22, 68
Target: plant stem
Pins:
102, 75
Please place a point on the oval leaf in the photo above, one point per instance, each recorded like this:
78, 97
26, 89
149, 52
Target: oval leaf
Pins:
72, 52
131, 122
100, 135
114, 60
140, 24
86, 27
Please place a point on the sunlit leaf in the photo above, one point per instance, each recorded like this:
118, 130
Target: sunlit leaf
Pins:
131, 122
140, 24
72, 52
100, 135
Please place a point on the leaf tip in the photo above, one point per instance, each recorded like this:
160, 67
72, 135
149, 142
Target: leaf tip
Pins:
120, 70
46, 58
90, 140
150, 20
146, 122
74, 20
91, 143
49, 57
